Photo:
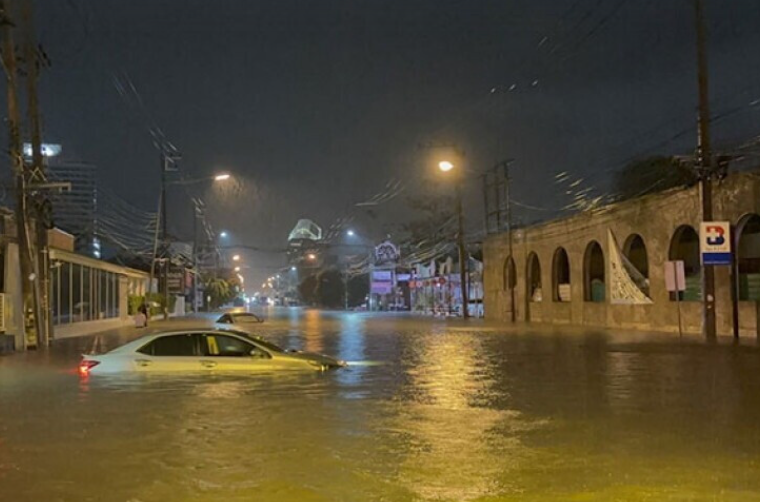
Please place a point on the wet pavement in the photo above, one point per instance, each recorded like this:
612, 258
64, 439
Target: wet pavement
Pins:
430, 410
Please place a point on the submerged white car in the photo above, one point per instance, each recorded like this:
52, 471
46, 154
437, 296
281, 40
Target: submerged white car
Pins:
202, 350
242, 319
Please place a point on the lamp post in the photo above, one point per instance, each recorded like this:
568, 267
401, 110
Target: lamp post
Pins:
447, 166
168, 164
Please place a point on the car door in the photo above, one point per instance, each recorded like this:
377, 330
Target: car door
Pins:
169, 353
232, 353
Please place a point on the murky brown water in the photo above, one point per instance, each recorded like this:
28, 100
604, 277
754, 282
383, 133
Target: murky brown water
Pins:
434, 412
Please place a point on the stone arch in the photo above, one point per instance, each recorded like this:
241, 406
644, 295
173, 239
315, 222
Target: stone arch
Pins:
533, 282
594, 288
684, 246
561, 291
509, 274
636, 251
748, 257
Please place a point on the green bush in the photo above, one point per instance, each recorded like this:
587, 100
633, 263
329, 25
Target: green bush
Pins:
133, 303
156, 302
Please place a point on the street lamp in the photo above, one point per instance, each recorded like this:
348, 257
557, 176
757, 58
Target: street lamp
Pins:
311, 257
446, 166
236, 257
222, 177
293, 268
223, 234
237, 269
350, 233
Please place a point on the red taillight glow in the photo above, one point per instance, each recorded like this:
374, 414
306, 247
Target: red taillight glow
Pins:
86, 365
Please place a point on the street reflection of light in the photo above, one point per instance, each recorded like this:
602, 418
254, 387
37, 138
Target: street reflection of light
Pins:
351, 348
450, 429
313, 333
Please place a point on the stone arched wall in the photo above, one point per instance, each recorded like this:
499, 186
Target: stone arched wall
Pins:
655, 218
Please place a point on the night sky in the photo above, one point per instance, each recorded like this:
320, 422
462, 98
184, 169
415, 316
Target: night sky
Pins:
316, 105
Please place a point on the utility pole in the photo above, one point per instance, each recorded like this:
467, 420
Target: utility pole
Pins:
462, 253
164, 234
508, 210
705, 167
167, 158
30, 318
41, 282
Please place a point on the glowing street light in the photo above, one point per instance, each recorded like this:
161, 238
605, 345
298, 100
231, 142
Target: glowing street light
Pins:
350, 233
311, 256
445, 166
222, 177
236, 257
223, 234
293, 268
237, 269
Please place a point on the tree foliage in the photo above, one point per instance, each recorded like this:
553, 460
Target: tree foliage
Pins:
651, 175
218, 291
307, 290
330, 289
358, 289
433, 213
325, 289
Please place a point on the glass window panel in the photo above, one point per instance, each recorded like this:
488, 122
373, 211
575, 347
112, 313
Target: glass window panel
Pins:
54, 294
76, 292
116, 295
103, 294
66, 297
86, 290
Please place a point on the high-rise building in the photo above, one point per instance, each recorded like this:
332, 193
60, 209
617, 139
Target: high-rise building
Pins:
75, 211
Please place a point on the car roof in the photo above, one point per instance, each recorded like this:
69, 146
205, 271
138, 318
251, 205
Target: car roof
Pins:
139, 342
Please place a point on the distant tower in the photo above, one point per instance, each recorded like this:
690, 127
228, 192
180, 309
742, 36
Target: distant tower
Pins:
304, 243
75, 211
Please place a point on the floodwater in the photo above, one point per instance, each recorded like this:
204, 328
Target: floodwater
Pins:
430, 411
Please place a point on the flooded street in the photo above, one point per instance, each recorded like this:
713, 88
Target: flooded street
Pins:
428, 411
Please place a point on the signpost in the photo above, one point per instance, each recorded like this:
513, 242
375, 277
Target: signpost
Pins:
675, 282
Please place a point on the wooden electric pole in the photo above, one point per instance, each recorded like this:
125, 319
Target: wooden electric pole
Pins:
37, 176
30, 318
705, 167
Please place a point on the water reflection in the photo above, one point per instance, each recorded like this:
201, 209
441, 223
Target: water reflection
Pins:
452, 414
452, 445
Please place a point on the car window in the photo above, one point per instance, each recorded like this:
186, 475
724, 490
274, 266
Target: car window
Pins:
229, 346
225, 319
269, 346
171, 345
246, 318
